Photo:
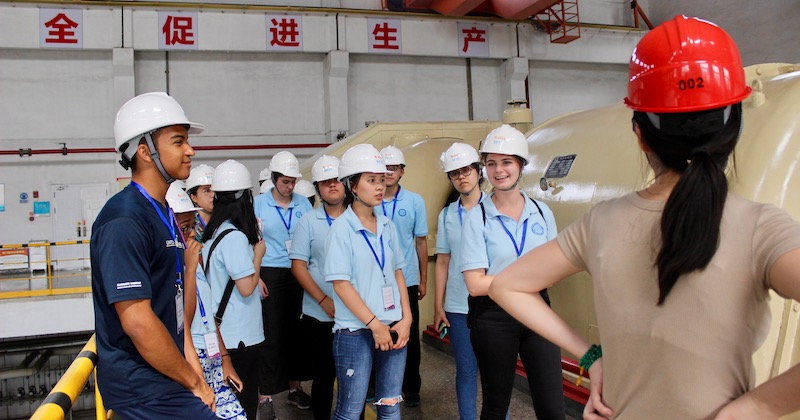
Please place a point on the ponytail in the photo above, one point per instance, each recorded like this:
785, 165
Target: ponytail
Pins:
690, 223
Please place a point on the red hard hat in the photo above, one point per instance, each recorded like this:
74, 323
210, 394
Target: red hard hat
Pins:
685, 65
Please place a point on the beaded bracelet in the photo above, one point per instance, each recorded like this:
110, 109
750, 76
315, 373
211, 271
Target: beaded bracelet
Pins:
595, 352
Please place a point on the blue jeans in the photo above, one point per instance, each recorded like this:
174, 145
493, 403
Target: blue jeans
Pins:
354, 353
466, 366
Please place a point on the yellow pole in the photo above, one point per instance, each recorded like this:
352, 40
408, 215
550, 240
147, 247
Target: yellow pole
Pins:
59, 402
99, 407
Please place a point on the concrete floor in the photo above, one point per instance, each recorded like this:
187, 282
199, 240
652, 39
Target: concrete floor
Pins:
438, 395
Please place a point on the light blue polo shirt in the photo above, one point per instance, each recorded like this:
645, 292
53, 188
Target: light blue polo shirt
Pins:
233, 258
309, 245
350, 258
278, 225
200, 328
491, 247
407, 211
448, 241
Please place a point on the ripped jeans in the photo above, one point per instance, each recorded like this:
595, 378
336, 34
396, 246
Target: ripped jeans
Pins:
354, 353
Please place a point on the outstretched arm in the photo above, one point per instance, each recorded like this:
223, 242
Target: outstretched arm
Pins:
517, 289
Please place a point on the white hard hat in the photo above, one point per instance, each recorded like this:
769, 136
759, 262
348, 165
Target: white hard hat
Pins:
325, 168
265, 174
266, 186
393, 156
231, 176
305, 188
148, 112
361, 158
180, 183
506, 140
285, 164
457, 156
200, 175
178, 201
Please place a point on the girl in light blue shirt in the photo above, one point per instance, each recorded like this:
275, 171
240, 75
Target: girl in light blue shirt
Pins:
308, 255
372, 311
504, 226
462, 166
235, 257
284, 362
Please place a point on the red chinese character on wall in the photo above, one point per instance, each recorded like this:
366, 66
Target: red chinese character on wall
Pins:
178, 30
61, 32
472, 35
385, 37
284, 33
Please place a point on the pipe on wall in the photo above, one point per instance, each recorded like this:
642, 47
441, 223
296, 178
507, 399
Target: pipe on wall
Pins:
65, 151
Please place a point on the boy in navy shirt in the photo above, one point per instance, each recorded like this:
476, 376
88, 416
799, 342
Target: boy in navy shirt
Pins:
137, 271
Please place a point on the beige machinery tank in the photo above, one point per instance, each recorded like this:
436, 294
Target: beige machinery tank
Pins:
582, 158
579, 159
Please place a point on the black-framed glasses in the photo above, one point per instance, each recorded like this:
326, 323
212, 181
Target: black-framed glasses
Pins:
394, 168
458, 173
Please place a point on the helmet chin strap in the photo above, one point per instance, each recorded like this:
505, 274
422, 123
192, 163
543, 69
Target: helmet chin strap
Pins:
513, 186
354, 194
148, 137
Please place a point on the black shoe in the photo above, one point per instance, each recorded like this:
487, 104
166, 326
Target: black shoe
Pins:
299, 399
412, 400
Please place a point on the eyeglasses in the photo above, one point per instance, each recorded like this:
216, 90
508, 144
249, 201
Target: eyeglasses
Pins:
394, 168
458, 173
188, 228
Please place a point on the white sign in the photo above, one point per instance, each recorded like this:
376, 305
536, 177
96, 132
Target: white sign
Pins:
473, 39
177, 30
284, 32
60, 28
384, 36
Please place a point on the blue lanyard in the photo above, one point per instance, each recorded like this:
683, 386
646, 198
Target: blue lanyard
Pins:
524, 234
170, 228
382, 261
460, 218
328, 218
202, 311
287, 225
394, 206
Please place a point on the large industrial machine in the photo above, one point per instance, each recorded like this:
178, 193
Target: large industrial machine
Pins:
579, 159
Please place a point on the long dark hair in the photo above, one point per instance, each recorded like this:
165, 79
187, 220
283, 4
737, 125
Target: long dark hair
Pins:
239, 211
696, 145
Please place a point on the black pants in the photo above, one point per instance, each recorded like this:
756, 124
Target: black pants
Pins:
319, 340
497, 339
283, 357
412, 382
245, 361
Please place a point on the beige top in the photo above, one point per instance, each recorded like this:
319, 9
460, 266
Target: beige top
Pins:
687, 358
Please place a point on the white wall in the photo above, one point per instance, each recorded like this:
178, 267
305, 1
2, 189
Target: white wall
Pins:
765, 32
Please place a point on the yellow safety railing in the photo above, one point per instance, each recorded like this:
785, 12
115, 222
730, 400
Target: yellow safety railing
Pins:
60, 399
49, 275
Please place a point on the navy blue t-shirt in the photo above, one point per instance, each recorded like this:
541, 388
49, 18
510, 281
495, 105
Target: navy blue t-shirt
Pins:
133, 257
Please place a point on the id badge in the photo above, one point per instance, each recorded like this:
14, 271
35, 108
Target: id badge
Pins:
212, 345
288, 245
179, 309
388, 298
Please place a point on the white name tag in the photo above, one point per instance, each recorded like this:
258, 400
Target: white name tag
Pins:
179, 309
212, 345
388, 298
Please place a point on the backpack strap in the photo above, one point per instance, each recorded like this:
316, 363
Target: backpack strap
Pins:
226, 296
